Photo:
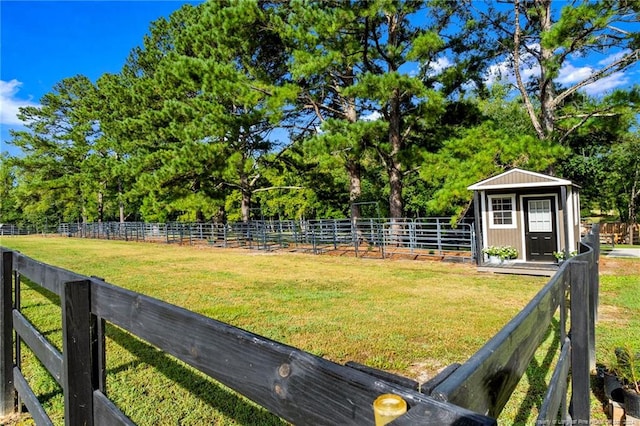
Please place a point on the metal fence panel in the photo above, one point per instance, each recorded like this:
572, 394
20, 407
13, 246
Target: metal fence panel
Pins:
380, 237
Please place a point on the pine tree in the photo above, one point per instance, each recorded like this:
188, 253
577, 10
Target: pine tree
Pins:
540, 36
56, 174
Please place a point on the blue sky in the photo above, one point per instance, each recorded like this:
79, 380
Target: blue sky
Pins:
43, 42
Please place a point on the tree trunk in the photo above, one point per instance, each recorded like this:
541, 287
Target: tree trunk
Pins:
120, 196
100, 207
196, 190
543, 126
83, 209
394, 166
355, 187
245, 206
352, 163
547, 93
396, 208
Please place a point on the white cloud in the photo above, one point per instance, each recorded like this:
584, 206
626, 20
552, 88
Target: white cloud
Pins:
503, 71
375, 115
439, 65
570, 75
614, 57
603, 85
9, 103
498, 72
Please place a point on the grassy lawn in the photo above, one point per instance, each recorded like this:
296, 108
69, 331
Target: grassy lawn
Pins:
408, 317
619, 310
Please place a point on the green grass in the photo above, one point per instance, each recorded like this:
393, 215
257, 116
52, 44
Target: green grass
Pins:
619, 313
408, 317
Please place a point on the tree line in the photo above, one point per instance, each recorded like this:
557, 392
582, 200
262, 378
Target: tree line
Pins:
233, 109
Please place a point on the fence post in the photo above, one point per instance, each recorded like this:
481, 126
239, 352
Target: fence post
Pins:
7, 389
413, 237
580, 342
439, 235
354, 235
77, 349
594, 290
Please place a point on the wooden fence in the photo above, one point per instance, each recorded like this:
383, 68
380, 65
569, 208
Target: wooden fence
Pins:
618, 233
293, 384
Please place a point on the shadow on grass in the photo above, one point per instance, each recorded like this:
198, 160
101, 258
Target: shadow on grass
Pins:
226, 402
205, 389
51, 296
536, 373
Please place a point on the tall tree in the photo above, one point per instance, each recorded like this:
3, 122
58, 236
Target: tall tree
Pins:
9, 212
115, 108
56, 147
144, 140
355, 60
222, 89
501, 138
539, 40
326, 49
593, 143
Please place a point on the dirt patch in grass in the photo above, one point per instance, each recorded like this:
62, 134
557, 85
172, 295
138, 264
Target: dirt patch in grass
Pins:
426, 369
613, 315
17, 419
612, 266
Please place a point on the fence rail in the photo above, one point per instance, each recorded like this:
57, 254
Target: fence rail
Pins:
10, 229
485, 382
278, 376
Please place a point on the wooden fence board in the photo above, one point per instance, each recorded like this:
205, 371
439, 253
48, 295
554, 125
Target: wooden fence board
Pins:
557, 392
384, 375
291, 383
485, 382
47, 276
7, 389
580, 343
77, 349
50, 357
30, 400
106, 413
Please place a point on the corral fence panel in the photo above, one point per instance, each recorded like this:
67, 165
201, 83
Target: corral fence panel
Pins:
362, 237
12, 229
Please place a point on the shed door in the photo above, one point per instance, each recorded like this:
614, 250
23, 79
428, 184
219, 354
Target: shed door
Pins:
541, 233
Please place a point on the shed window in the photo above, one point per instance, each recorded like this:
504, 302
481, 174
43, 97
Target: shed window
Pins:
502, 211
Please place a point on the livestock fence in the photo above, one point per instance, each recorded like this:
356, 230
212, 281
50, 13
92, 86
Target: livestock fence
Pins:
297, 386
372, 237
12, 229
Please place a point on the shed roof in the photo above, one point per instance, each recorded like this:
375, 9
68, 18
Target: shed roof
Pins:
518, 178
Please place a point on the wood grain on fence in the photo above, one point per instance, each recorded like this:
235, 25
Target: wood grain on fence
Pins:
485, 382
